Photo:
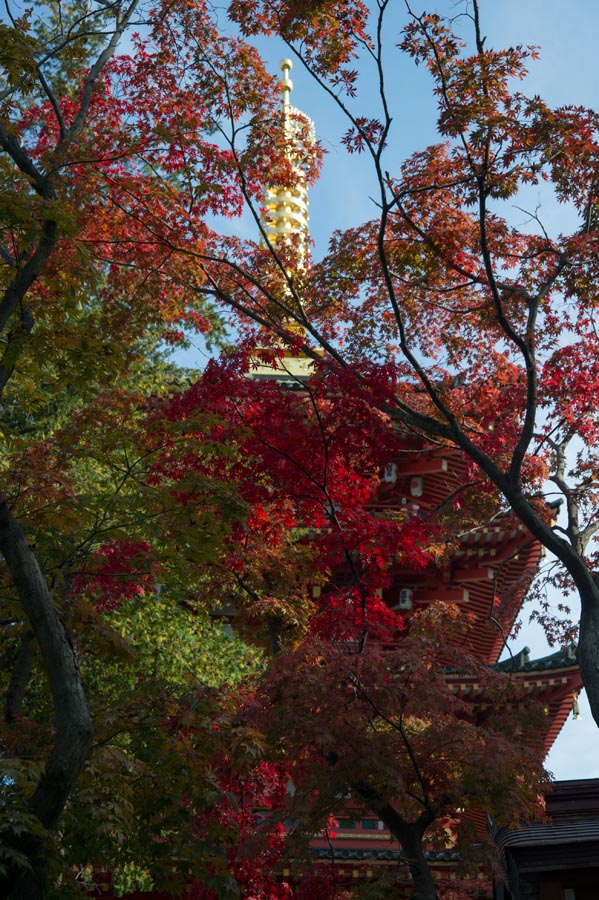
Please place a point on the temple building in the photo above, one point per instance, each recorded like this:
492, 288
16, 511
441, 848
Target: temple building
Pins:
558, 858
487, 574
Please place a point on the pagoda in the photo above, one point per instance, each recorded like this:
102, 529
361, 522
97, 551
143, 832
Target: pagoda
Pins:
487, 573
491, 567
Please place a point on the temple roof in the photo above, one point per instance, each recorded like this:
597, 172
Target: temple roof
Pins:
284, 380
554, 681
520, 662
573, 797
573, 831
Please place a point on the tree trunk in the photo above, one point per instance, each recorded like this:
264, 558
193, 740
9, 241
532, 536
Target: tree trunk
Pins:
73, 729
20, 676
410, 836
588, 646
275, 634
422, 878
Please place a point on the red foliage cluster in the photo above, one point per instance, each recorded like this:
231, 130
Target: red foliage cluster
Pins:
307, 464
118, 571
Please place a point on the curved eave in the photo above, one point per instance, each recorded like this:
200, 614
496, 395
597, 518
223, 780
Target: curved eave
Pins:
575, 831
554, 687
498, 565
556, 691
488, 579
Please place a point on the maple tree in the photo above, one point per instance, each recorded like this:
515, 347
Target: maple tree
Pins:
297, 474
100, 177
349, 702
127, 554
494, 324
387, 728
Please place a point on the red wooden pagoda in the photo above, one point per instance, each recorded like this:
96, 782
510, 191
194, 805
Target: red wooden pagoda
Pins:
487, 574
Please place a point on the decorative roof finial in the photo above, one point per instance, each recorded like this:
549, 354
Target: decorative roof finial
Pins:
286, 209
287, 84
285, 229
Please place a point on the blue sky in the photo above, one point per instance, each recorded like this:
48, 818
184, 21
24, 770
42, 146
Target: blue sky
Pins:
566, 73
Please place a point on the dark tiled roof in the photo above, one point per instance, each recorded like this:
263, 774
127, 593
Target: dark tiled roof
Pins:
574, 798
571, 831
563, 659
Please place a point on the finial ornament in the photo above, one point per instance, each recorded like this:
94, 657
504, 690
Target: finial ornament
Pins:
286, 209
285, 228
287, 84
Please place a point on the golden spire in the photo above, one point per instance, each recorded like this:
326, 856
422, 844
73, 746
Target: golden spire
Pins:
287, 84
286, 209
285, 222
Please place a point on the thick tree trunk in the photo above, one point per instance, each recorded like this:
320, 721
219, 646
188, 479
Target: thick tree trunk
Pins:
422, 878
72, 723
16, 689
410, 835
588, 646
